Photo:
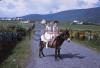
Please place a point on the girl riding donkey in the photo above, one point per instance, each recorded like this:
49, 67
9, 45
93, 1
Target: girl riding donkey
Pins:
50, 33
57, 42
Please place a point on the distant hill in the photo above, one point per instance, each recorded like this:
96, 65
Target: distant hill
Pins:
87, 15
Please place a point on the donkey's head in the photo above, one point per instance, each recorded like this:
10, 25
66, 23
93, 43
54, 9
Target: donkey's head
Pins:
65, 34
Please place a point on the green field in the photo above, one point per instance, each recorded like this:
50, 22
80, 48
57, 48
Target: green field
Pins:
94, 44
6, 24
80, 27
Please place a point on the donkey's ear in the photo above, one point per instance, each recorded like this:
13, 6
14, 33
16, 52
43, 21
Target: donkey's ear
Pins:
66, 29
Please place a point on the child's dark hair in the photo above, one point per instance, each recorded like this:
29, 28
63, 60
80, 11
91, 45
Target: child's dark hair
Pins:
56, 21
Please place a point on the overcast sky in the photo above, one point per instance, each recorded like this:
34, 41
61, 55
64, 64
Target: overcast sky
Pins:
11, 8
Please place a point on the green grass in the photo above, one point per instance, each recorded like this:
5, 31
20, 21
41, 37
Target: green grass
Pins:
94, 44
20, 55
6, 24
80, 27
22, 51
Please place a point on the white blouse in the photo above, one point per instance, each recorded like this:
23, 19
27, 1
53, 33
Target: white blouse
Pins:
55, 29
48, 29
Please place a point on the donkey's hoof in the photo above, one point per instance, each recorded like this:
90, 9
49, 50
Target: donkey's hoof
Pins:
44, 56
60, 57
40, 57
56, 59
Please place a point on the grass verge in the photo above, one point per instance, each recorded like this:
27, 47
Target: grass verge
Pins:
20, 55
93, 44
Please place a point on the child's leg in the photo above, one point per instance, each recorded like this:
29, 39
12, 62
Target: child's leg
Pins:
46, 44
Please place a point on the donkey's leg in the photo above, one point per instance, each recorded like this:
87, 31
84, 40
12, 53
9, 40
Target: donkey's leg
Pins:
40, 50
42, 45
59, 55
43, 53
55, 53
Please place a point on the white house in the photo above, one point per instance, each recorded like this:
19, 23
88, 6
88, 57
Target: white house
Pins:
77, 22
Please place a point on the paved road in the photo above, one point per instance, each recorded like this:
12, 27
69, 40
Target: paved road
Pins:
73, 55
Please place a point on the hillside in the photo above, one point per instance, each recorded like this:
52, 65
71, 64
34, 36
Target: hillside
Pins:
88, 15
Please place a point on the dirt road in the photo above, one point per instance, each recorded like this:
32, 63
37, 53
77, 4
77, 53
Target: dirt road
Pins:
73, 55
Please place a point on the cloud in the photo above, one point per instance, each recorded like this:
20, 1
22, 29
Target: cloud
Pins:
12, 8
90, 3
